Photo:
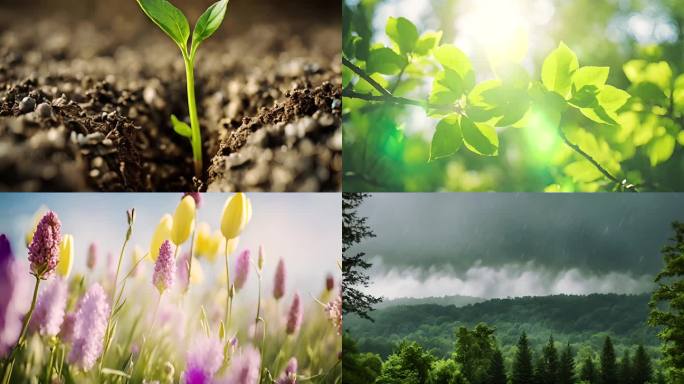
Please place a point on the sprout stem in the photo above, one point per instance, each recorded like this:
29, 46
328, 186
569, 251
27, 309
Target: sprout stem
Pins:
196, 139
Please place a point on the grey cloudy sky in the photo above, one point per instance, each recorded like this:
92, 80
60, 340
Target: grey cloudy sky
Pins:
498, 245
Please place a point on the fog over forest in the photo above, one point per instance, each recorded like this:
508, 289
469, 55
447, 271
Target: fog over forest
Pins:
501, 245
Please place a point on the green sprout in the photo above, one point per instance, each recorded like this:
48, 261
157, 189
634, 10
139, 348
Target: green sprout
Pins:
174, 23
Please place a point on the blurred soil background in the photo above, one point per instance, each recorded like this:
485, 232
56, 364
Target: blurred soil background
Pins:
87, 89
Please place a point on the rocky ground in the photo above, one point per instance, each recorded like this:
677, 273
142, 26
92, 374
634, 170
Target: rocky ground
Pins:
87, 108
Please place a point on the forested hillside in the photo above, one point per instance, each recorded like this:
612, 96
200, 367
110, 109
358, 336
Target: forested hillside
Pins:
579, 320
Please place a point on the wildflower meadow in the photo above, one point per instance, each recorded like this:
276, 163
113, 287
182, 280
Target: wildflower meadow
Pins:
194, 304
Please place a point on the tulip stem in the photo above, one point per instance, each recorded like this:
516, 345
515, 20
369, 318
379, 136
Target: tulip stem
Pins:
192, 249
22, 335
228, 300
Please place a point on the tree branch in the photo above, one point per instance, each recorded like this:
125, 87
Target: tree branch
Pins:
593, 161
365, 76
382, 99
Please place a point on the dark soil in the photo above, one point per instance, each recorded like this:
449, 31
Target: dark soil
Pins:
86, 107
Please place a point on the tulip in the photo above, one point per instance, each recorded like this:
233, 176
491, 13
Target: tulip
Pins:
183, 221
163, 232
66, 256
236, 214
204, 241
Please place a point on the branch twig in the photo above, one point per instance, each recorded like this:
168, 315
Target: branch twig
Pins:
365, 76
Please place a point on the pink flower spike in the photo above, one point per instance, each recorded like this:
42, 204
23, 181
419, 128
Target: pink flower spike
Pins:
89, 328
241, 269
44, 248
279, 280
329, 282
294, 317
290, 374
91, 261
334, 311
49, 313
204, 359
244, 368
164, 268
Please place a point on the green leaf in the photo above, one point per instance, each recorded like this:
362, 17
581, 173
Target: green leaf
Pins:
582, 171
208, 23
180, 127
446, 88
169, 18
403, 33
558, 68
385, 60
453, 58
480, 138
427, 42
661, 149
115, 372
447, 139
678, 94
640, 71
596, 76
612, 99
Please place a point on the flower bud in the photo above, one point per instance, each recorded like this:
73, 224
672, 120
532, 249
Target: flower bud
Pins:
241, 269
260, 262
91, 261
183, 221
204, 240
279, 280
161, 233
294, 316
236, 214
66, 256
329, 282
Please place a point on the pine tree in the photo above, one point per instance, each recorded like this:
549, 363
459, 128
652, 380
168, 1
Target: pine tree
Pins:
608, 363
497, 370
566, 368
625, 369
549, 368
355, 230
666, 306
588, 373
522, 365
642, 372
539, 369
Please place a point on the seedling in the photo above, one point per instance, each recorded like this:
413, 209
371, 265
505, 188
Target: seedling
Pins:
173, 22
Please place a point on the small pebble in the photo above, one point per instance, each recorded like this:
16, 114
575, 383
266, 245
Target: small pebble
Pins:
44, 110
27, 104
107, 142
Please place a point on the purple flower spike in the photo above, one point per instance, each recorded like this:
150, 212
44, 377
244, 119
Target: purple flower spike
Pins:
329, 282
89, 328
279, 280
164, 268
15, 296
203, 361
244, 368
241, 269
49, 313
294, 317
5, 249
195, 196
290, 374
44, 248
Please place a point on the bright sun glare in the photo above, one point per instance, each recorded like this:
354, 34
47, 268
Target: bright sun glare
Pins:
501, 28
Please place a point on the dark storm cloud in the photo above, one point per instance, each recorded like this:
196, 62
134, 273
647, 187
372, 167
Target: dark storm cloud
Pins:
591, 233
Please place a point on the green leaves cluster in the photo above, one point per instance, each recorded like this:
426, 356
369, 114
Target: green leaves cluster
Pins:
596, 134
173, 22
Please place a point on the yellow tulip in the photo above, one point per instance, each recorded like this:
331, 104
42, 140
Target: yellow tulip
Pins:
163, 232
36, 219
236, 214
66, 256
197, 274
183, 220
203, 240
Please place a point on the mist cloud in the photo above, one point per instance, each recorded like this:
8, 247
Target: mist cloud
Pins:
507, 280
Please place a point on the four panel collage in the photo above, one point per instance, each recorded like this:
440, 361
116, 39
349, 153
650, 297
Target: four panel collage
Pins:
342, 191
